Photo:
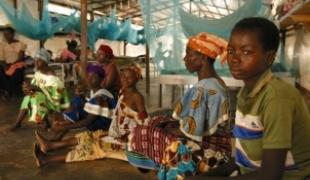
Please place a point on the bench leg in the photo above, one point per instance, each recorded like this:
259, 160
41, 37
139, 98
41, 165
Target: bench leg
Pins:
160, 95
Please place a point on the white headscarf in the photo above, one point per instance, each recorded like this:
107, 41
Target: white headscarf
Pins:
43, 55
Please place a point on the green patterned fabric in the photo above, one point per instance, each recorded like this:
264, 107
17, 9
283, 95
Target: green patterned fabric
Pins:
52, 97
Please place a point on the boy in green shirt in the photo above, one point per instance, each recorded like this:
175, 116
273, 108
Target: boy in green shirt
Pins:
272, 127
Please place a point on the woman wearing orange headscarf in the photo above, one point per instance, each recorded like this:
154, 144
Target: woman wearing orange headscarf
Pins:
197, 139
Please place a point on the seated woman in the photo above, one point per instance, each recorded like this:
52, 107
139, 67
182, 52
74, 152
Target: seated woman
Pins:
71, 53
12, 53
130, 111
96, 113
46, 93
112, 81
72, 114
104, 58
76, 110
199, 139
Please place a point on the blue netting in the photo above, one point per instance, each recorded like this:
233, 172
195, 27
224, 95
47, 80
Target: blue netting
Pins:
106, 27
167, 43
193, 25
25, 24
111, 29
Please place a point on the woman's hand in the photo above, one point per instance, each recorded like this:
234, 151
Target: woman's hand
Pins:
27, 89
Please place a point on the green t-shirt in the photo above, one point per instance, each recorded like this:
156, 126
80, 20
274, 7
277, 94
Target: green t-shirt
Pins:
272, 115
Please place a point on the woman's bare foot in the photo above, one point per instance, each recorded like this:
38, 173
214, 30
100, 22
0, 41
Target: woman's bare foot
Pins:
42, 142
38, 155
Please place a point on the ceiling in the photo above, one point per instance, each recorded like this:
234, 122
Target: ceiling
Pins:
213, 9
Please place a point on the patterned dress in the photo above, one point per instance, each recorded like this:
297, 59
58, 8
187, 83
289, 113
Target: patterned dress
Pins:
52, 97
202, 115
100, 144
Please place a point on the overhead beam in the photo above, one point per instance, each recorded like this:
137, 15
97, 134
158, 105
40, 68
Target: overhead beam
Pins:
301, 18
70, 6
200, 9
107, 4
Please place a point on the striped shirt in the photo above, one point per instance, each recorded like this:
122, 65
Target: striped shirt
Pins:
272, 115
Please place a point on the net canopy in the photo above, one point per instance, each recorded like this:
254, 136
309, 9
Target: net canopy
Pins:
168, 23
41, 29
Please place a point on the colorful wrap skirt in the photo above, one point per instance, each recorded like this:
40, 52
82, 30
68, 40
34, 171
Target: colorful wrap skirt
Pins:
95, 145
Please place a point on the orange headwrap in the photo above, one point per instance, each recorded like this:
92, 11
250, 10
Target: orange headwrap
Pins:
209, 45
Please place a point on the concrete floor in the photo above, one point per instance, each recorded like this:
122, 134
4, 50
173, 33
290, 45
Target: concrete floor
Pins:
17, 162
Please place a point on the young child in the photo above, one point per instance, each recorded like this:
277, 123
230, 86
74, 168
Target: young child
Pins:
272, 121
129, 112
76, 110
96, 113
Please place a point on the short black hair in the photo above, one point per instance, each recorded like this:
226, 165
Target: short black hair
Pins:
72, 43
268, 33
10, 29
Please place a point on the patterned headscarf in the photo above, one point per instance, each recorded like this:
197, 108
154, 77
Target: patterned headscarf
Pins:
107, 50
209, 45
136, 69
43, 55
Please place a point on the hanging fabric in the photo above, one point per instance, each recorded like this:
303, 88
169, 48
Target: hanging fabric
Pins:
193, 25
25, 24
106, 27
167, 42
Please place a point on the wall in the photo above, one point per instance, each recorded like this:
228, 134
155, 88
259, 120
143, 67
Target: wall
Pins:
31, 44
56, 44
118, 48
298, 54
304, 61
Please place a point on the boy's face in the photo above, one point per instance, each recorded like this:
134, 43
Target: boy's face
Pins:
192, 60
247, 59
